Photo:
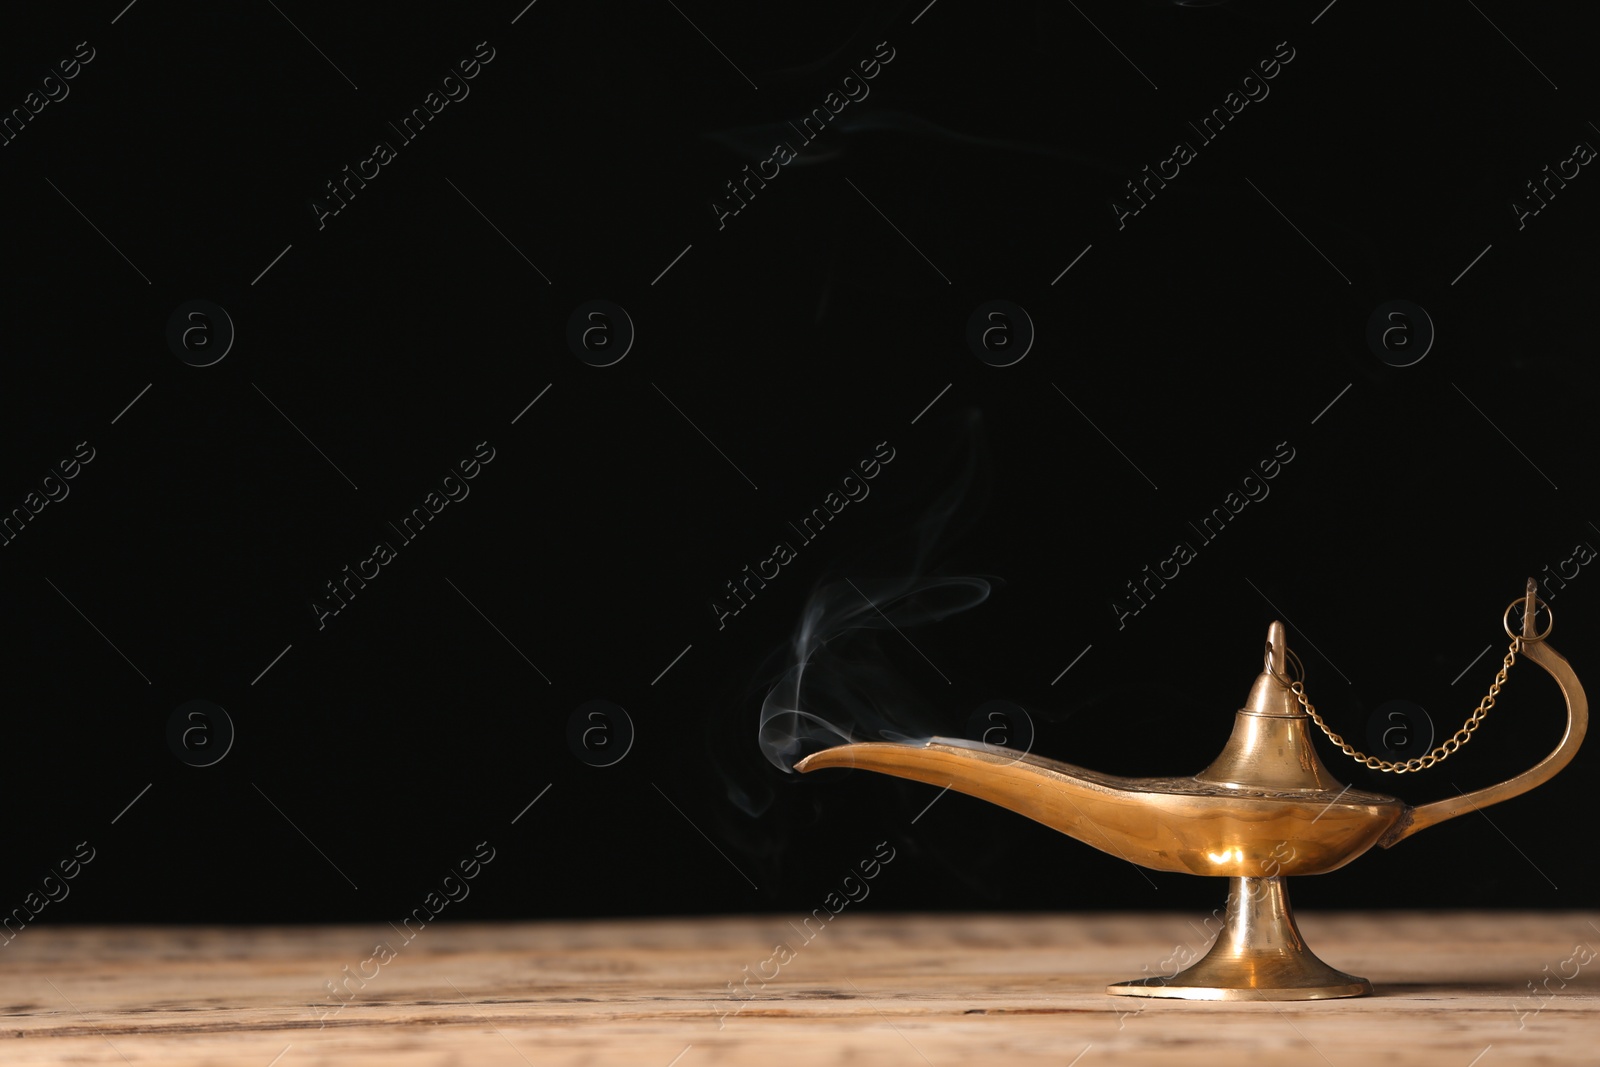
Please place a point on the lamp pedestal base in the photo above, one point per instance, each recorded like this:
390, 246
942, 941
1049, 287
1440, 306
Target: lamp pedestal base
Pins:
1258, 955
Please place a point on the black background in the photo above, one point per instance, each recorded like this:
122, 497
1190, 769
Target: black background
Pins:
413, 325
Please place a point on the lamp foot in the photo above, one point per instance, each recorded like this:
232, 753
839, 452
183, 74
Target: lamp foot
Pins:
1258, 955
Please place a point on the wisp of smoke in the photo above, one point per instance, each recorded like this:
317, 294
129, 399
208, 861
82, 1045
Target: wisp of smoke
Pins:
839, 686
840, 683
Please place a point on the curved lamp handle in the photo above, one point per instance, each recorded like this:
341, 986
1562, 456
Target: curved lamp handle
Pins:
1556, 665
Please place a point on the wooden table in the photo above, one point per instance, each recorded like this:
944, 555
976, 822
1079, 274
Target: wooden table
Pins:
901, 991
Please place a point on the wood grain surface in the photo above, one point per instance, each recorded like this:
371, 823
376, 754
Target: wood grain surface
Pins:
864, 989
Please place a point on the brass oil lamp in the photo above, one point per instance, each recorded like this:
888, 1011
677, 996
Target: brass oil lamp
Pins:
1265, 809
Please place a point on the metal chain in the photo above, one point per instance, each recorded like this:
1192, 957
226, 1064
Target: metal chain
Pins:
1438, 755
